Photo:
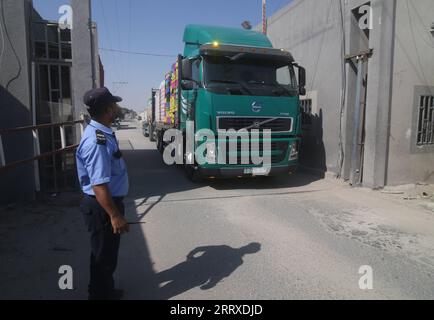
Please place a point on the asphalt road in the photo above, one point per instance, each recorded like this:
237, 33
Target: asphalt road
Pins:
293, 238
298, 237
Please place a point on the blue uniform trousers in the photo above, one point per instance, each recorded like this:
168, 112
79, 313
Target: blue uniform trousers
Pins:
104, 247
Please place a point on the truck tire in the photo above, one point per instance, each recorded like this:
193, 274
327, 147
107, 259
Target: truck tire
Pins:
160, 142
191, 171
193, 174
152, 134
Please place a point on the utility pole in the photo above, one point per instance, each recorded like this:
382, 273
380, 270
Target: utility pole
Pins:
264, 17
358, 147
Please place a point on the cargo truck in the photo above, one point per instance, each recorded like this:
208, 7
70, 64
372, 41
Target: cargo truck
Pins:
232, 79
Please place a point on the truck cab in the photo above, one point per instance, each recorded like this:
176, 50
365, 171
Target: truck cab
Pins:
234, 81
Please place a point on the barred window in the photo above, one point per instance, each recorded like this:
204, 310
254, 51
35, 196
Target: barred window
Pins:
51, 42
425, 131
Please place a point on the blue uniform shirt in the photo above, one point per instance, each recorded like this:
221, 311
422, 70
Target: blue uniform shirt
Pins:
99, 161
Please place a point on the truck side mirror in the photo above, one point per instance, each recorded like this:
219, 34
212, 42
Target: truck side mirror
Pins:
187, 85
302, 80
187, 69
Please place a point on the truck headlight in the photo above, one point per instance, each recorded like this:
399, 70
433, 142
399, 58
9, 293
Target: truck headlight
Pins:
211, 153
294, 151
190, 158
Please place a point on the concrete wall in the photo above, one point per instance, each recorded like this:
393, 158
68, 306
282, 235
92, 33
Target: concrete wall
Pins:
82, 58
355, 41
15, 86
310, 31
96, 58
379, 88
15, 99
413, 66
403, 57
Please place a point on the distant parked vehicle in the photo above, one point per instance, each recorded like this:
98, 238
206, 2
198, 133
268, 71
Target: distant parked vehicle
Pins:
145, 129
117, 124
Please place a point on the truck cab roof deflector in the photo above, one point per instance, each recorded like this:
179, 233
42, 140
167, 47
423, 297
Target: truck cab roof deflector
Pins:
225, 50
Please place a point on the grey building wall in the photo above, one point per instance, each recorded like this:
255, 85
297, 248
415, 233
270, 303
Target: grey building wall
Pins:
96, 59
83, 75
413, 66
378, 100
310, 30
16, 91
15, 99
313, 31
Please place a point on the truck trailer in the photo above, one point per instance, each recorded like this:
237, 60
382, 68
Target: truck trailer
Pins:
232, 80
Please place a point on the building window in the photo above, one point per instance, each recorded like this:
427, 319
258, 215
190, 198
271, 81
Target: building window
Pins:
425, 128
51, 42
53, 63
423, 120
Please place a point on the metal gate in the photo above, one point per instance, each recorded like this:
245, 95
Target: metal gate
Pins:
53, 103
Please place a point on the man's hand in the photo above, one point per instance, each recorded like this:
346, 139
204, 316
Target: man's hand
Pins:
119, 225
105, 199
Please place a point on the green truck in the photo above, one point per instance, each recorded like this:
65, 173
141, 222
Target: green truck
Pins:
232, 80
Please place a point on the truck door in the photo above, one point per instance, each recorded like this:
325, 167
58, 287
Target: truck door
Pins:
190, 83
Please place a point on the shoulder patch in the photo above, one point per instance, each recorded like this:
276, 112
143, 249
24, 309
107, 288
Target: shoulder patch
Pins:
100, 138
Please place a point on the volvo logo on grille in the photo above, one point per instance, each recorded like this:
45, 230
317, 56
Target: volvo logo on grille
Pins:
256, 107
256, 125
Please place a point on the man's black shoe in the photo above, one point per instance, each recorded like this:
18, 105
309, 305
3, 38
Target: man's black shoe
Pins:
117, 294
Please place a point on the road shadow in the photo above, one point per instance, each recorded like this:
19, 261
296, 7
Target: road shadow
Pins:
298, 179
149, 178
16, 184
156, 181
151, 182
312, 152
205, 267
122, 127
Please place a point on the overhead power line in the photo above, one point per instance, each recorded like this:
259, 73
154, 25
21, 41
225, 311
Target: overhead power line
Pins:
129, 33
115, 61
139, 53
117, 27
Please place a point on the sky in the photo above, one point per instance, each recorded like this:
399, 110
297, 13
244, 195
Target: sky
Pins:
153, 27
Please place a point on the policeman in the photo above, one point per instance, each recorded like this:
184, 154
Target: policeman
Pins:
104, 180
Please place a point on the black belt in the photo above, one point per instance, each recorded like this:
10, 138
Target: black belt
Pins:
114, 198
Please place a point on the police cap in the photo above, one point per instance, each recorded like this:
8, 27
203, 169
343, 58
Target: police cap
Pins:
98, 98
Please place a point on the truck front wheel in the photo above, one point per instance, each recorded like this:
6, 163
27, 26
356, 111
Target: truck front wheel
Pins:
152, 134
160, 143
193, 173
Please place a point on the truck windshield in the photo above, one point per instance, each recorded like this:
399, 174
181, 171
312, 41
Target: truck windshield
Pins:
249, 76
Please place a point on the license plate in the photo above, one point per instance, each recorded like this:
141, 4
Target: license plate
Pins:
258, 171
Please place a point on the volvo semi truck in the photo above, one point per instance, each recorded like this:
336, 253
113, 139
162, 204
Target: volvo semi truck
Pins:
232, 80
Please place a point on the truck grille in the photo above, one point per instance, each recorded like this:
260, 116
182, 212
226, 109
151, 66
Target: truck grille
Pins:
279, 151
273, 124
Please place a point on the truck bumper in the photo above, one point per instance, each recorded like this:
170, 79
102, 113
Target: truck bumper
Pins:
240, 172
